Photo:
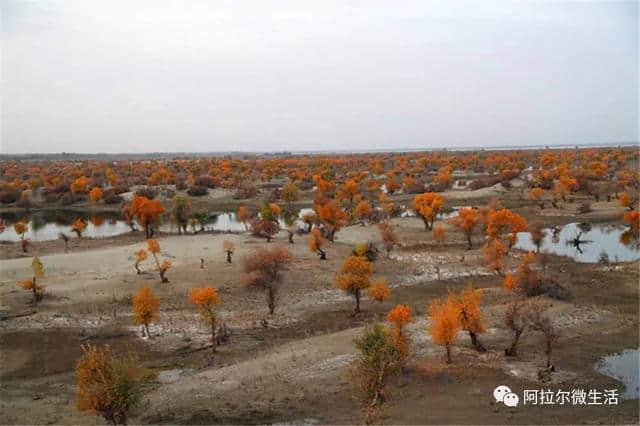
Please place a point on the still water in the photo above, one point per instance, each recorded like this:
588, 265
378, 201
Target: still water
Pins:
596, 239
47, 226
623, 366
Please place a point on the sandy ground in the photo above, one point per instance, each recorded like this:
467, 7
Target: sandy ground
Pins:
296, 370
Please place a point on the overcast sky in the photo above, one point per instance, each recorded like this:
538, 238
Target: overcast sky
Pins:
138, 76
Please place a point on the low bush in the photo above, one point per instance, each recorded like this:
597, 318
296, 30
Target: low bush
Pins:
147, 192
9, 196
197, 191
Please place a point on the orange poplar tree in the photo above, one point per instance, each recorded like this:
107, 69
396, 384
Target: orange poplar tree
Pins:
206, 299
154, 248
316, 242
95, 194
363, 211
145, 308
332, 217
21, 228
354, 277
31, 284
388, 236
444, 325
78, 226
494, 252
467, 220
504, 224
400, 316
427, 206
141, 255
471, 319
147, 212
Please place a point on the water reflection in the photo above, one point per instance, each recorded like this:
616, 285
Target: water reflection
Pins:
584, 242
623, 366
47, 226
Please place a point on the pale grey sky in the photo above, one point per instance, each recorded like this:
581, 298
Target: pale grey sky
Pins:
137, 76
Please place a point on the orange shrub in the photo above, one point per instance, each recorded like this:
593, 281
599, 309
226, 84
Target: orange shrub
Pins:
107, 385
379, 290
439, 234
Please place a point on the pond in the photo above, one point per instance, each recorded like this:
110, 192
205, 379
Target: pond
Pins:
596, 241
47, 225
446, 213
623, 366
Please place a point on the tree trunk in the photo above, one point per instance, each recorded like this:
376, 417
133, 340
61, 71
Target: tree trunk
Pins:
323, 254
357, 301
426, 222
448, 346
290, 237
513, 349
476, 342
137, 268
469, 246
213, 335
548, 352
271, 300
146, 328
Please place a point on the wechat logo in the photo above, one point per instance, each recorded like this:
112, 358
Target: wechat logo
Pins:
503, 394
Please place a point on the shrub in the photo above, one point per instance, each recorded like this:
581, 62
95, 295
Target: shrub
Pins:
484, 182
367, 250
52, 197
379, 290
197, 191
9, 196
68, 199
147, 192
113, 199
585, 208
181, 185
108, 385
263, 269
206, 181
378, 359
245, 192
120, 189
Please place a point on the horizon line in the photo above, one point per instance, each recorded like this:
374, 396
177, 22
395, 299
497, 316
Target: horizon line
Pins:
331, 151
